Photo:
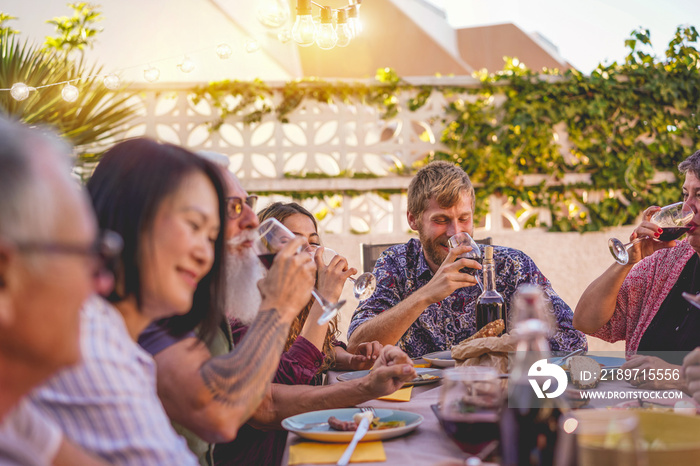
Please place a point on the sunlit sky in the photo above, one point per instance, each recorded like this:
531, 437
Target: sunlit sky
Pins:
586, 32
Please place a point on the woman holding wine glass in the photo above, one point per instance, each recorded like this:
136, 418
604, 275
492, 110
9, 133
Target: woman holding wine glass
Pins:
312, 349
641, 301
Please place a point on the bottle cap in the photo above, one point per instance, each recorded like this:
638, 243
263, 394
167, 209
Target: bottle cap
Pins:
488, 253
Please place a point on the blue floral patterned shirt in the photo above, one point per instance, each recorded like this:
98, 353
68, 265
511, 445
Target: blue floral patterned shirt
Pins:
402, 269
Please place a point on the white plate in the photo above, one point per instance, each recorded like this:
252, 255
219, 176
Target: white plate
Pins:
326, 434
345, 376
440, 359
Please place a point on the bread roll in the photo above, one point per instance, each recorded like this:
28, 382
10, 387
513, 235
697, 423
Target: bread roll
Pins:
579, 364
492, 329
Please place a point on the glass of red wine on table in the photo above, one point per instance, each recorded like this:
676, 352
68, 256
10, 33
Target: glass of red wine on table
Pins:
673, 220
464, 239
273, 236
469, 410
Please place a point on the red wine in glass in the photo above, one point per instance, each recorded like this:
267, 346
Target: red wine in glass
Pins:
463, 238
674, 219
469, 270
671, 233
473, 431
267, 259
272, 237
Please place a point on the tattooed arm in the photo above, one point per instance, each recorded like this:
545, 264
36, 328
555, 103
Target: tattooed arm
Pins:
391, 370
214, 396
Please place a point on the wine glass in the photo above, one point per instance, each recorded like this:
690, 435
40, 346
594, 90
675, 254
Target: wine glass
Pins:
364, 285
693, 299
464, 239
470, 403
603, 437
273, 237
673, 220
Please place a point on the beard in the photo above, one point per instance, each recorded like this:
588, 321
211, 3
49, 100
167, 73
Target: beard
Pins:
432, 247
243, 271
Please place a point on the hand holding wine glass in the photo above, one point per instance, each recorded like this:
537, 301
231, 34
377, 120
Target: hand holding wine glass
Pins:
332, 271
272, 240
673, 220
464, 239
363, 285
288, 283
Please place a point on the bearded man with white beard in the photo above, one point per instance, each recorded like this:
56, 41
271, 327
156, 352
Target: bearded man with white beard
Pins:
243, 271
204, 420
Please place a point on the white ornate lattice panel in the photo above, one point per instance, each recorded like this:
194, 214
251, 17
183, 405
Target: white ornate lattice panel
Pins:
331, 140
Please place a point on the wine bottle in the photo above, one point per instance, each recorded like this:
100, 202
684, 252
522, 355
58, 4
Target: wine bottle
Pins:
529, 424
490, 305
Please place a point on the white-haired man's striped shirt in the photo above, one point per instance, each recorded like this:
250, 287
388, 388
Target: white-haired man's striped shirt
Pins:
108, 403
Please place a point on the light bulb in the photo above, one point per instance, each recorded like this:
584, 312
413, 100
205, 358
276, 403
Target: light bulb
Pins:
111, 81
354, 20
151, 74
186, 65
304, 30
70, 93
224, 51
273, 13
343, 30
326, 37
284, 36
251, 46
19, 91
358, 27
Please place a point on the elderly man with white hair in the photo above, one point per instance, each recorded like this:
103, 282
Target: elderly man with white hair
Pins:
49, 264
201, 426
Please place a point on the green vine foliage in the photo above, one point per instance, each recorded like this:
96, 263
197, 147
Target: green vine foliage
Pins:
252, 100
624, 123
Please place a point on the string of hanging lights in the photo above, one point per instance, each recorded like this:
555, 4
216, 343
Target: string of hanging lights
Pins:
333, 28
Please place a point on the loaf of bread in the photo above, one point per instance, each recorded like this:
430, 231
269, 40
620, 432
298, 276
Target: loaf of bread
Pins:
578, 365
492, 329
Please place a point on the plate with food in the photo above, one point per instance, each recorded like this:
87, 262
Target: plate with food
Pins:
339, 425
425, 376
586, 372
440, 359
605, 362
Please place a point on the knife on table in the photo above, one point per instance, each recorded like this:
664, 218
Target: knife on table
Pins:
359, 433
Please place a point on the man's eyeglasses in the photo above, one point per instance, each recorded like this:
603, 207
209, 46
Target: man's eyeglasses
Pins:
234, 205
106, 248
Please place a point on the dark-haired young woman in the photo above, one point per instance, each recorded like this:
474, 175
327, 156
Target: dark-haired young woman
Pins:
167, 204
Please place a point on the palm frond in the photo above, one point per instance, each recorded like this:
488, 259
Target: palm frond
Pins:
98, 114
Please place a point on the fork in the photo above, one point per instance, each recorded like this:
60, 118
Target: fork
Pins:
560, 360
362, 429
368, 409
